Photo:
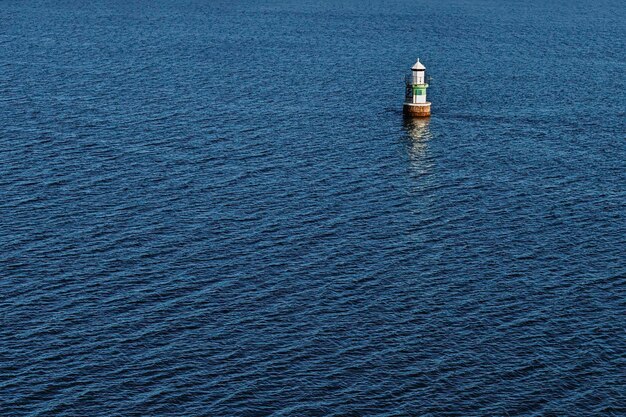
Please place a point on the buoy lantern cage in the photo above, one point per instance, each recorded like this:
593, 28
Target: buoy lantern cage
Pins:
415, 103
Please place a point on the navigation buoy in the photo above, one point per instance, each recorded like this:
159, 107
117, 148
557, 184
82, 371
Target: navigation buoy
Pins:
415, 103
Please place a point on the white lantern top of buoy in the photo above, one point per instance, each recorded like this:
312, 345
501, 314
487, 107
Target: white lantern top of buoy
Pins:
418, 66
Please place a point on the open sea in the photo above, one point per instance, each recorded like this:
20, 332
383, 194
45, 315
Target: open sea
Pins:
216, 208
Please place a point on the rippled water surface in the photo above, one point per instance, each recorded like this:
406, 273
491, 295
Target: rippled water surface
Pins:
216, 208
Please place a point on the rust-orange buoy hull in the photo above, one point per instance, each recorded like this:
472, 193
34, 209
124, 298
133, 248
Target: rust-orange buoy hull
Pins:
417, 110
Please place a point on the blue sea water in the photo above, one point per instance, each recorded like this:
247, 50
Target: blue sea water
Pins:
217, 208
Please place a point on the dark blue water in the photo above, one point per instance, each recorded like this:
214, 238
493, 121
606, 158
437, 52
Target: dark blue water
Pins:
216, 208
